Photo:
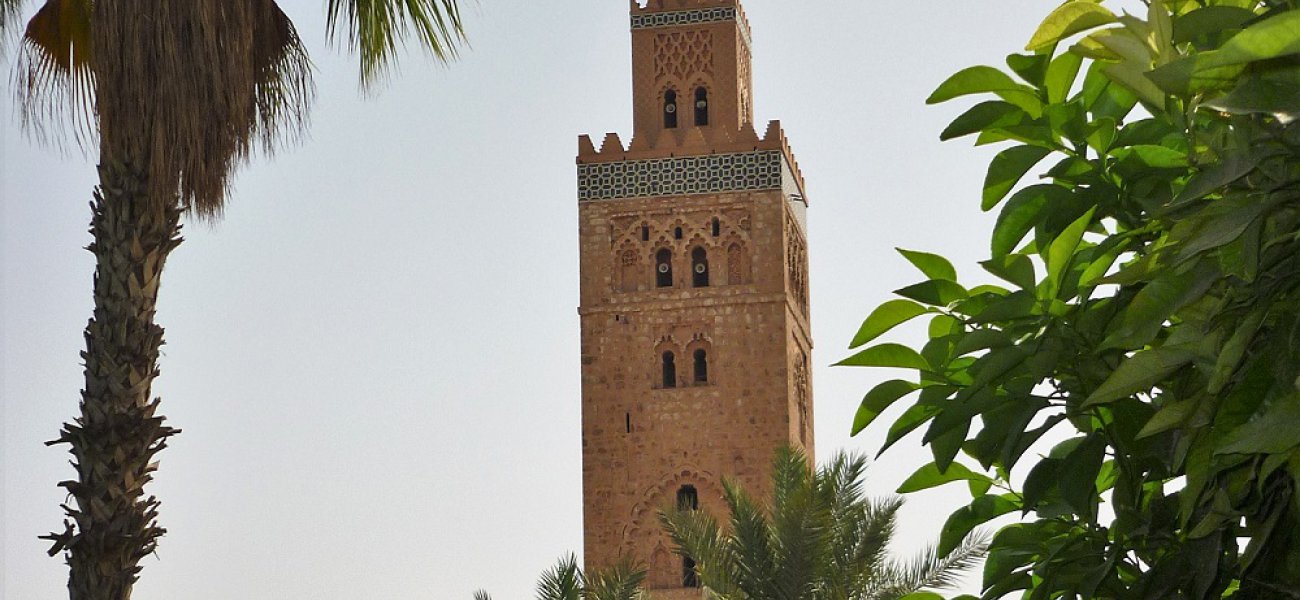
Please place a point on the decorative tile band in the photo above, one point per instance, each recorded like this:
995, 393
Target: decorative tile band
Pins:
683, 17
708, 174
690, 17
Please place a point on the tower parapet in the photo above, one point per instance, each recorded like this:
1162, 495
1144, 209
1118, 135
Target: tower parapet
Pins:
683, 163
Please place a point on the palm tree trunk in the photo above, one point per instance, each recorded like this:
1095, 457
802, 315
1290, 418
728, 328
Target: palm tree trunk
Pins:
113, 525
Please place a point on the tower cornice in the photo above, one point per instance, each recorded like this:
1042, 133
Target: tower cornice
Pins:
654, 162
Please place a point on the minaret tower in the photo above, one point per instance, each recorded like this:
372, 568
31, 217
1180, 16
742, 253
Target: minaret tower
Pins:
694, 292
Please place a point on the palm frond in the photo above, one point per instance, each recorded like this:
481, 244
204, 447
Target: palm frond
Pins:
482, 595
284, 83
10, 10
54, 80
207, 81
376, 28
697, 534
619, 582
561, 582
799, 526
839, 482
790, 473
751, 543
928, 570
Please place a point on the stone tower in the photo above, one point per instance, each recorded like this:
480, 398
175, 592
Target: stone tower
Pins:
694, 291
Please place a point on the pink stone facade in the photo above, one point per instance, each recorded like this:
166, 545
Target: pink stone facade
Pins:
696, 348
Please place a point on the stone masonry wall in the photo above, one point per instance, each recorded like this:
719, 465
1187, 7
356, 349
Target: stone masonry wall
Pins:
643, 441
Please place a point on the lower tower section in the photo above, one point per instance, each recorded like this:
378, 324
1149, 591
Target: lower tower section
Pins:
695, 342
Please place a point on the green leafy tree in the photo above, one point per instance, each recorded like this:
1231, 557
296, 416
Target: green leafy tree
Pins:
566, 581
1151, 311
178, 94
821, 539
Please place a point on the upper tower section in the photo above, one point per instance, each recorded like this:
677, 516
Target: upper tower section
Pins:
693, 113
690, 67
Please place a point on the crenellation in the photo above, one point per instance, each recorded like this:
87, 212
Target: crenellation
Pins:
612, 146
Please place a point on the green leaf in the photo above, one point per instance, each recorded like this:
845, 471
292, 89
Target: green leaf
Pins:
981, 510
1222, 229
1171, 415
1021, 213
1101, 139
1135, 80
1139, 372
879, 399
984, 79
1271, 432
1061, 252
922, 596
945, 446
1233, 351
943, 325
1184, 77
1068, 19
886, 317
936, 292
1209, 21
1060, 76
1006, 170
1078, 482
887, 355
1105, 98
1270, 38
1273, 92
932, 265
1099, 266
1230, 168
1014, 268
930, 476
1030, 67
1040, 482
1014, 306
991, 114
1157, 300
981, 339
1150, 156
914, 417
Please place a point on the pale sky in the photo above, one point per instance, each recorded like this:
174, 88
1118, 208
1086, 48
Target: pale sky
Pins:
374, 355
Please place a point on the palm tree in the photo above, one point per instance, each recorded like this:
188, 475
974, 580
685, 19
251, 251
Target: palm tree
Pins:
565, 581
179, 94
823, 540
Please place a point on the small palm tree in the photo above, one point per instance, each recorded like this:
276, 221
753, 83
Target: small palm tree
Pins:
565, 581
821, 540
178, 94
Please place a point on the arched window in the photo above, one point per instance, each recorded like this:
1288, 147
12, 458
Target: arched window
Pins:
669, 371
699, 268
716, 227
688, 498
677, 233
670, 109
701, 366
645, 232
664, 268
701, 107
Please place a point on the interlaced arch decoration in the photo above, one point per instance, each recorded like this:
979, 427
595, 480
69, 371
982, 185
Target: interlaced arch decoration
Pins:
635, 239
643, 536
680, 55
797, 260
